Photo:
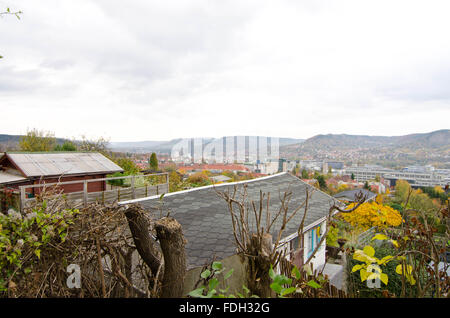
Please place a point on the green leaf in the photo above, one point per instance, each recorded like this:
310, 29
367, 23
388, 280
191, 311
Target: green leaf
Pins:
313, 284
197, 292
282, 280
271, 272
296, 273
276, 288
288, 291
217, 266
38, 253
211, 293
213, 283
205, 274
230, 272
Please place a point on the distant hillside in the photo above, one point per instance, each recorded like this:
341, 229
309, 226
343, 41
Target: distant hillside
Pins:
144, 146
166, 146
9, 138
426, 148
12, 141
433, 139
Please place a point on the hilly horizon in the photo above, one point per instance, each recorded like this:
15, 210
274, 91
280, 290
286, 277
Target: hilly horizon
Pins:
390, 151
434, 139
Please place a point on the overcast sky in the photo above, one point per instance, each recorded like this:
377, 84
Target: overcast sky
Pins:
157, 70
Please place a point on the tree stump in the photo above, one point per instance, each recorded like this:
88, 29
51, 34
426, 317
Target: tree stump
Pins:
172, 242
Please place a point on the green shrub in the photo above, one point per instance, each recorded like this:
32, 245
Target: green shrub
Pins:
332, 236
116, 182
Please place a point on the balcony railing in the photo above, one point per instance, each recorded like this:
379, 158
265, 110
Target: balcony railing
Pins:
133, 187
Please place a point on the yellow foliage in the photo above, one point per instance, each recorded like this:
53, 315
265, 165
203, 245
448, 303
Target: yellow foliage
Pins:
371, 214
438, 189
342, 187
379, 199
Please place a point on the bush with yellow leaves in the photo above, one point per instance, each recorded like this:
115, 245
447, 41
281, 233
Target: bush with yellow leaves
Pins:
371, 214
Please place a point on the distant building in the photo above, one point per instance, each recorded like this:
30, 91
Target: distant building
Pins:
367, 172
417, 176
336, 165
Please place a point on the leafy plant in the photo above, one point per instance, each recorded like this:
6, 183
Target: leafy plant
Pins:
210, 280
24, 237
332, 236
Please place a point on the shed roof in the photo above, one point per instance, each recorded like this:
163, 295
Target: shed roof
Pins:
6, 177
206, 220
62, 163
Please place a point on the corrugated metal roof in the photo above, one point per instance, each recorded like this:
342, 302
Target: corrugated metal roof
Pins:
8, 177
50, 164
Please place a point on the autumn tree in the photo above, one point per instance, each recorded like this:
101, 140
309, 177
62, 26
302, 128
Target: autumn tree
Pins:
128, 165
402, 189
371, 214
199, 179
175, 182
37, 140
95, 145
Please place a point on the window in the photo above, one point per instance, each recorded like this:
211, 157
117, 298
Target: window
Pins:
314, 239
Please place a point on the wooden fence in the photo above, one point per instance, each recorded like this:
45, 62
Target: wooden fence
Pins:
116, 193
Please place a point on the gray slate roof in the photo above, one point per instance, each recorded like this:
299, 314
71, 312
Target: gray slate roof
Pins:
350, 194
207, 223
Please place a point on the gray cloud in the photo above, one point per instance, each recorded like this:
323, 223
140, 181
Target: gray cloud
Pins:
217, 68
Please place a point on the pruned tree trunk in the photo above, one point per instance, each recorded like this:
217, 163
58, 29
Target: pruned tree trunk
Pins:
172, 242
145, 245
259, 265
